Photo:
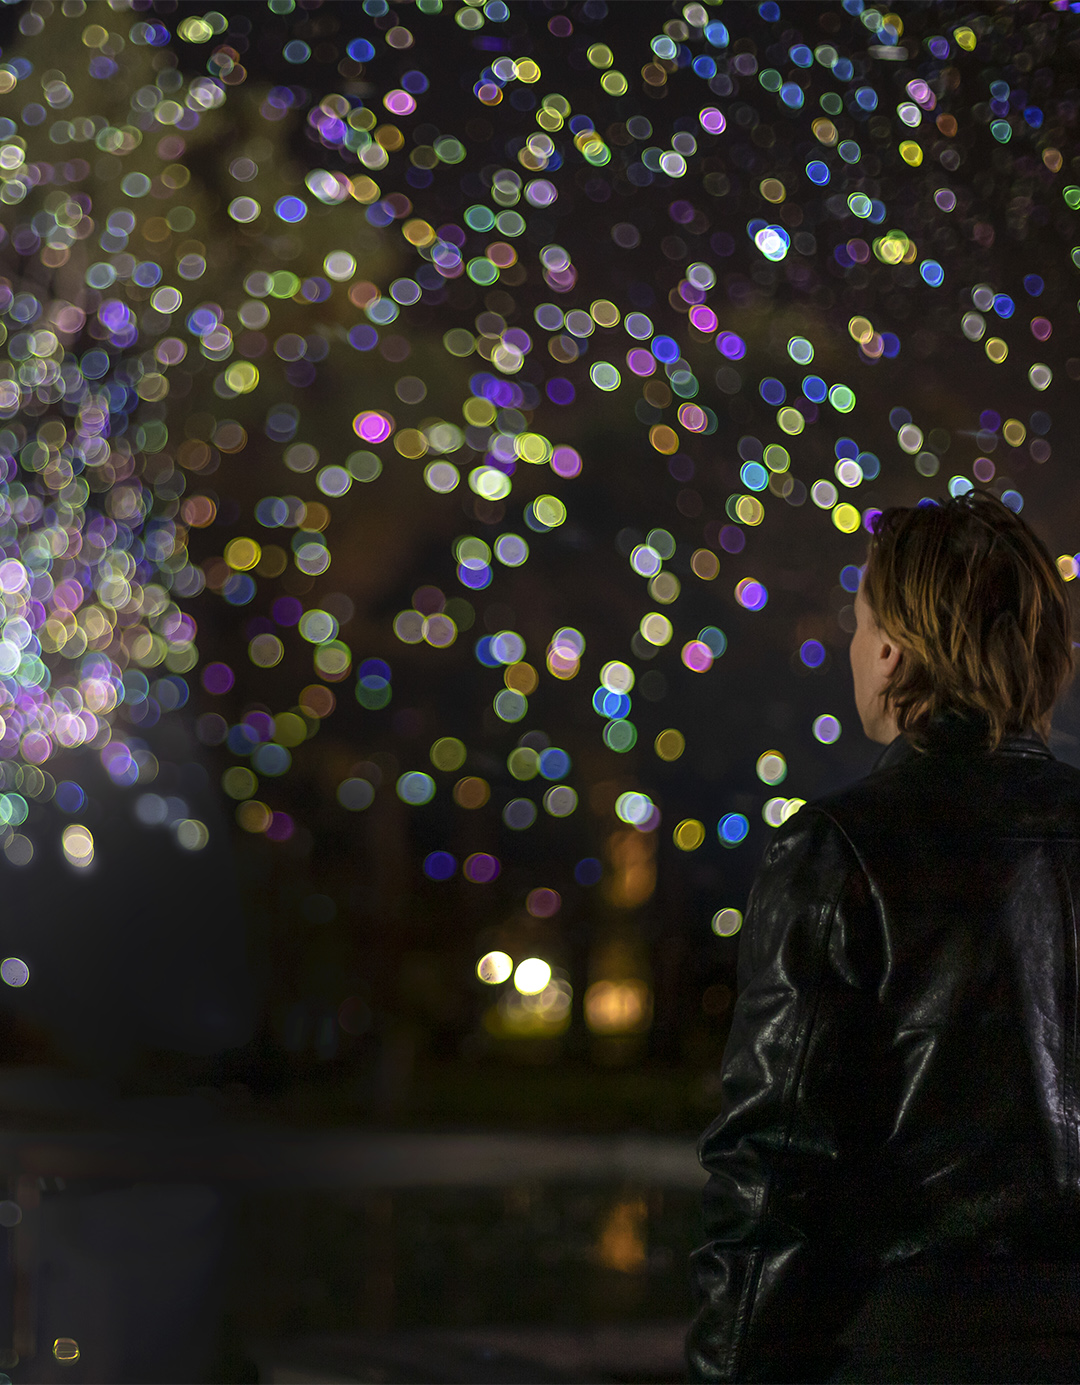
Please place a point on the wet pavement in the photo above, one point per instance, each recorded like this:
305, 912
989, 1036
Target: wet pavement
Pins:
352, 1255
650, 1353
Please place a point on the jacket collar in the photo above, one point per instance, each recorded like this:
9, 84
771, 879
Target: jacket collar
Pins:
952, 733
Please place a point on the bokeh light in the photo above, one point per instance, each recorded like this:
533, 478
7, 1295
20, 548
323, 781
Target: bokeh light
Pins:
14, 972
531, 976
726, 922
494, 968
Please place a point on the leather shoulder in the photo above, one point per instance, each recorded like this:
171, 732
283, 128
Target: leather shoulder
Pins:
1004, 793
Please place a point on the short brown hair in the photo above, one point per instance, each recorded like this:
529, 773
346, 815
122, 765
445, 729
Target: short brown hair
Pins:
980, 611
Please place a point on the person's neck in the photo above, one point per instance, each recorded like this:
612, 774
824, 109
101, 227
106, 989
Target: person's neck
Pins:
885, 729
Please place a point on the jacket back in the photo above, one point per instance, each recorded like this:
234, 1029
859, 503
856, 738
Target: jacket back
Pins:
898, 1133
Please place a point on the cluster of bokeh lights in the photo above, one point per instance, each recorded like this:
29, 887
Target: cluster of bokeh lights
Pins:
105, 468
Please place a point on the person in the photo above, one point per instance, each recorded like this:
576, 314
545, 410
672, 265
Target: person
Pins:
893, 1190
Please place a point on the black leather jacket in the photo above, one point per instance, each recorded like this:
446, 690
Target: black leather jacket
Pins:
898, 1134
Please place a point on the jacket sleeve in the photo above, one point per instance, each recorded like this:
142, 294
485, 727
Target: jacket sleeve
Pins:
790, 1155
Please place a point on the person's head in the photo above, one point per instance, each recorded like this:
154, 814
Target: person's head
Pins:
960, 608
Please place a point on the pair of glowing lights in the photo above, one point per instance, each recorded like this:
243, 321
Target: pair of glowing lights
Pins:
531, 976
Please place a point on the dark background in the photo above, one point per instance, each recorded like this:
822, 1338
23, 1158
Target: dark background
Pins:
323, 980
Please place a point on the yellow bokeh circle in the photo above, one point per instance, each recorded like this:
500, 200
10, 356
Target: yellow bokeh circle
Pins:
689, 834
670, 744
243, 554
